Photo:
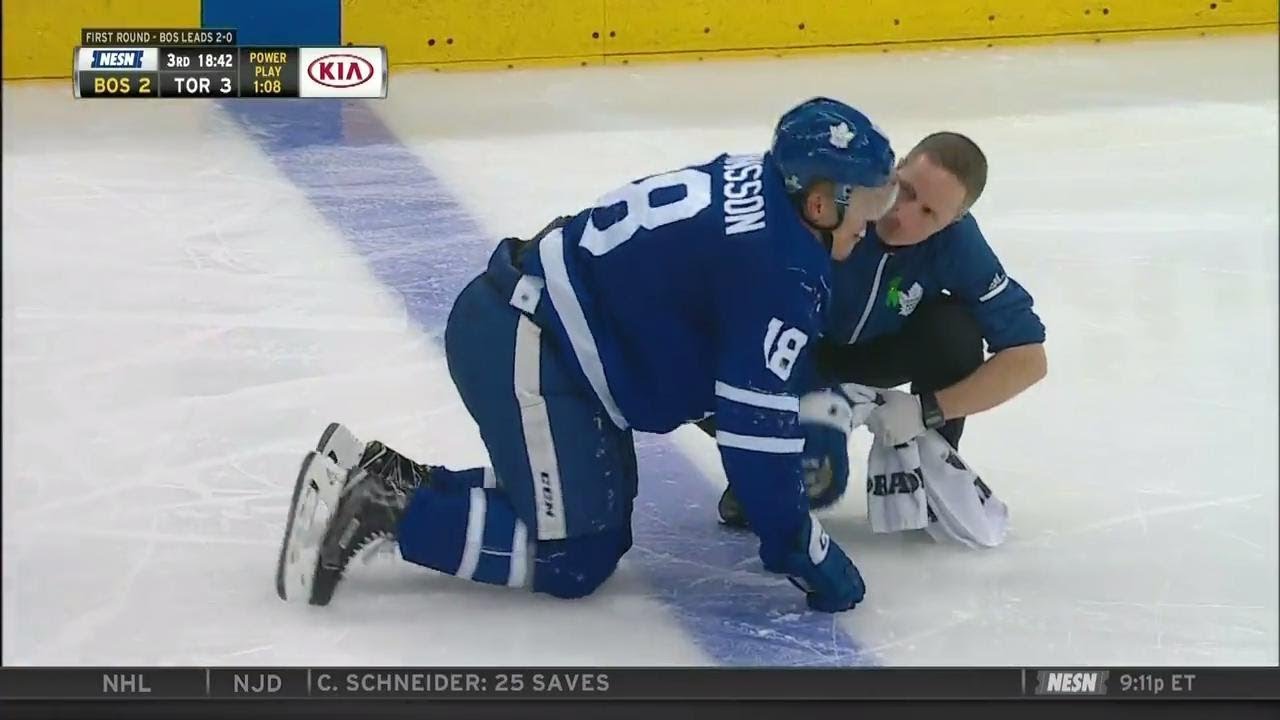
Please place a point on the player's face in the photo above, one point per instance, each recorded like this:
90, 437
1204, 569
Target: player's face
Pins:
866, 205
929, 199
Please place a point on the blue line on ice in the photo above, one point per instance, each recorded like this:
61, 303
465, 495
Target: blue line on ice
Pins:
420, 242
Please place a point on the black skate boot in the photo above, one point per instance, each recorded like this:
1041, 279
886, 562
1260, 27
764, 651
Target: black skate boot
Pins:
378, 459
373, 501
346, 450
340, 445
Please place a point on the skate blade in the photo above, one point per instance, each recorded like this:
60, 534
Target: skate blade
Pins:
315, 497
340, 445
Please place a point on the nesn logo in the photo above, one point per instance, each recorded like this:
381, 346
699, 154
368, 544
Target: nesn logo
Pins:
116, 59
1091, 682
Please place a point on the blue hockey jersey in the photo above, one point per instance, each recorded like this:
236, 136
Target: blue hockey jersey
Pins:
694, 292
878, 287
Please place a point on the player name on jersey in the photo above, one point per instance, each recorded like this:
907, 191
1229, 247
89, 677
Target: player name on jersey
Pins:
212, 71
743, 192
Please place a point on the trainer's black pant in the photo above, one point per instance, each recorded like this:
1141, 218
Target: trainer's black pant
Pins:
939, 345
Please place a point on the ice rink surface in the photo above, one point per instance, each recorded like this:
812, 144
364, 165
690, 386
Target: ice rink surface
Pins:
193, 289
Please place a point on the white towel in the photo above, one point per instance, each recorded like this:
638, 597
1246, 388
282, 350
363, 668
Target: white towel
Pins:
896, 496
922, 484
962, 507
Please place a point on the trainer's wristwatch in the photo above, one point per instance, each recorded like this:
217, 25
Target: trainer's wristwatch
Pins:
930, 412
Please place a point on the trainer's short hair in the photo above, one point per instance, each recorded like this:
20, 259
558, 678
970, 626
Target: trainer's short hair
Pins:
959, 156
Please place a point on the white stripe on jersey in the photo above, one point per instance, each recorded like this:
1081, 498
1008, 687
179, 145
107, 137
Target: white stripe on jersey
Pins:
565, 301
755, 398
775, 445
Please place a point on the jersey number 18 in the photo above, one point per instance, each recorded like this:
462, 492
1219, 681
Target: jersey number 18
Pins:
640, 212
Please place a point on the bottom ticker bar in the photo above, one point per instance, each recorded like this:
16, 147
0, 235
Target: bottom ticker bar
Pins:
634, 683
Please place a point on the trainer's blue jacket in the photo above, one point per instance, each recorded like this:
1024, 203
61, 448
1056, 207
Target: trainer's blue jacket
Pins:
877, 287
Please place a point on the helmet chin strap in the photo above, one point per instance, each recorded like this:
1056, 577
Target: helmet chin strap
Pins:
825, 231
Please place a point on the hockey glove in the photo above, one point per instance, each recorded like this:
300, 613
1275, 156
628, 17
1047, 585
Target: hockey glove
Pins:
818, 566
826, 416
826, 474
826, 465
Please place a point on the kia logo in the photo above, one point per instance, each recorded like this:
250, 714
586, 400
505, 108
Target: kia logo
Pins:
340, 70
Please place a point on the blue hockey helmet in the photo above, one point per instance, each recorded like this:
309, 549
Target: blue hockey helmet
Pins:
824, 139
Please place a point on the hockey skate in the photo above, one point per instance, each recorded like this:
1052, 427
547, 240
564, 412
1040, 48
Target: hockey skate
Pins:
369, 510
340, 445
340, 460
347, 451
315, 497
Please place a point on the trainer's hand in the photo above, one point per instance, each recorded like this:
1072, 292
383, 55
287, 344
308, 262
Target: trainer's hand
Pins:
898, 418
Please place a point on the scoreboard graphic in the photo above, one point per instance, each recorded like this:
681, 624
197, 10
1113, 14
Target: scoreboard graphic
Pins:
207, 63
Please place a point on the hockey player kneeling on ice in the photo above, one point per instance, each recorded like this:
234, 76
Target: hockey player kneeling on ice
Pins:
693, 292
